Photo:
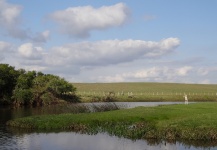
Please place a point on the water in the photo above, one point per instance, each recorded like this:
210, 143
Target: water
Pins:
136, 104
69, 141
15, 139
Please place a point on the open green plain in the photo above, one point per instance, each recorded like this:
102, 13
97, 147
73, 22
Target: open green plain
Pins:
197, 121
93, 92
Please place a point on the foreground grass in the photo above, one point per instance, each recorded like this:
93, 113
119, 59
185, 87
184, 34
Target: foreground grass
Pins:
193, 121
146, 91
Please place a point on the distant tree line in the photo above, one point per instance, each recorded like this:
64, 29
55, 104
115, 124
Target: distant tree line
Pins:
21, 87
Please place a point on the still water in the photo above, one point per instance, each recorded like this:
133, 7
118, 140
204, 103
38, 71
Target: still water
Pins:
15, 139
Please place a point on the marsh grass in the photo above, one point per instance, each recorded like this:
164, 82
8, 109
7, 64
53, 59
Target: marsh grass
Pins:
76, 108
196, 121
104, 107
64, 108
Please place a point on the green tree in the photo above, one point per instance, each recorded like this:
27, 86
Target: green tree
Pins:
28, 88
51, 88
59, 86
22, 93
39, 88
8, 78
22, 97
62, 89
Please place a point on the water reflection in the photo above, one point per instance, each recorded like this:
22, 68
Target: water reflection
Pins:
102, 141
69, 141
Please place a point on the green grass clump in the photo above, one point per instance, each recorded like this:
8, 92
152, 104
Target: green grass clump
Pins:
193, 121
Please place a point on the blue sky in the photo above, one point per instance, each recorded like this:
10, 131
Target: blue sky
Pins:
112, 41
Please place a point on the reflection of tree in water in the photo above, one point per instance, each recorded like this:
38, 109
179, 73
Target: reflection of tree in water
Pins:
153, 141
5, 115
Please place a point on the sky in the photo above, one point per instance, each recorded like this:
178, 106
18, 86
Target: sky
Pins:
112, 41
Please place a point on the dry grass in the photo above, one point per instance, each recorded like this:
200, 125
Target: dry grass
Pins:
146, 91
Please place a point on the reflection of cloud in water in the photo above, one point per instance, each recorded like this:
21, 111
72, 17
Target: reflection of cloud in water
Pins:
70, 140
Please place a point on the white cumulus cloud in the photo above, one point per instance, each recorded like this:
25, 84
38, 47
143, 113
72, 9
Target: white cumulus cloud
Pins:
10, 20
183, 71
9, 13
80, 21
29, 51
153, 74
110, 52
11, 23
116, 78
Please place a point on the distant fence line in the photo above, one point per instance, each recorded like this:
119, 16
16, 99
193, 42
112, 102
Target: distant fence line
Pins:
143, 93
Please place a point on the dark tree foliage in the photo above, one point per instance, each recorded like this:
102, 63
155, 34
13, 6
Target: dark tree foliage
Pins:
22, 87
8, 78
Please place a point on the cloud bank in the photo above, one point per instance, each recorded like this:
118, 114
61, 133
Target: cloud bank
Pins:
110, 52
153, 74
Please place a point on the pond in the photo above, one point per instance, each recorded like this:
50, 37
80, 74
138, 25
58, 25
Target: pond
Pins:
18, 139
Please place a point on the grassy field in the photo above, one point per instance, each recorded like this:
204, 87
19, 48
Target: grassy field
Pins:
146, 91
172, 122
